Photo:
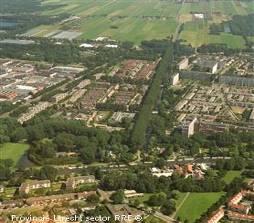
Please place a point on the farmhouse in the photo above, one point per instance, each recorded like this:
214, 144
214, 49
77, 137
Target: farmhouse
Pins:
198, 16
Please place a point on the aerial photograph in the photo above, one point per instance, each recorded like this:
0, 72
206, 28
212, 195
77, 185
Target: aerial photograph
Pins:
126, 111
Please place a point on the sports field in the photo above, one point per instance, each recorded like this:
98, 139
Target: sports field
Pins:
13, 151
137, 20
195, 204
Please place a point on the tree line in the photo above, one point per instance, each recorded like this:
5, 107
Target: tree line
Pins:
138, 136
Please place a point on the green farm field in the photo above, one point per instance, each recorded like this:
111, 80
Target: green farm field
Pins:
137, 20
196, 204
13, 151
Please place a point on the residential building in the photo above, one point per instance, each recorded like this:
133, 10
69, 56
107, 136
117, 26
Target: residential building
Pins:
41, 106
235, 205
183, 64
208, 65
238, 216
73, 182
58, 198
121, 210
251, 185
189, 127
216, 216
9, 95
1, 188
132, 193
26, 187
59, 97
252, 115
240, 208
175, 79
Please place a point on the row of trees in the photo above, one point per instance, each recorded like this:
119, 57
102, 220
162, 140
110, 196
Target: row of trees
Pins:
236, 163
138, 137
220, 47
143, 181
70, 52
6, 106
45, 51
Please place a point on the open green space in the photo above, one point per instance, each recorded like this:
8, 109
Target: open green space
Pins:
152, 219
143, 199
196, 204
231, 175
180, 199
13, 151
145, 19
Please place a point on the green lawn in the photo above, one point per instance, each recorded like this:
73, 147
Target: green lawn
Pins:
231, 175
196, 204
13, 151
180, 198
152, 219
144, 198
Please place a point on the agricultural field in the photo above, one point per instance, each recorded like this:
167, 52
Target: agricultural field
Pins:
13, 151
196, 204
131, 20
196, 33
